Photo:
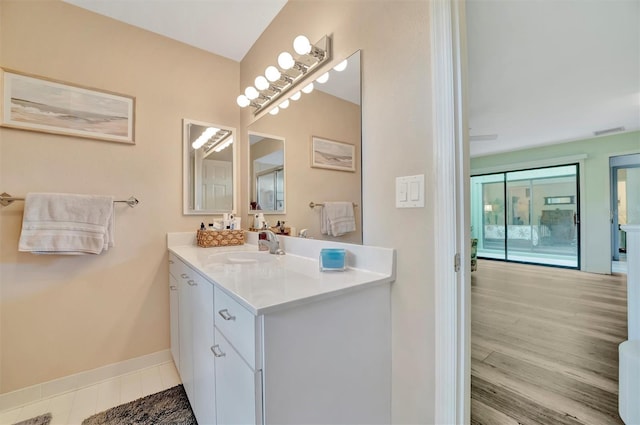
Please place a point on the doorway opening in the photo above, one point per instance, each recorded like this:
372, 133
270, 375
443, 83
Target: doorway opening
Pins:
625, 205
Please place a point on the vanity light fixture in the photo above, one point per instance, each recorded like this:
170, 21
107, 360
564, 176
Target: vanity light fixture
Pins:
222, 145
292, 71
204, 137
211, 138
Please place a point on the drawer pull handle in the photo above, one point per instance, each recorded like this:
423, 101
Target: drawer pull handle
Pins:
173, 288
192, 282
225, 315
215, 349
184, 276
170, 261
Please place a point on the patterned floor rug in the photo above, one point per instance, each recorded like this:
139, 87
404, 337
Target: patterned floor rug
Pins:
38, 420
167, 407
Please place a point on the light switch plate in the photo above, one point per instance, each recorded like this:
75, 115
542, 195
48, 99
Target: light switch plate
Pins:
410, 191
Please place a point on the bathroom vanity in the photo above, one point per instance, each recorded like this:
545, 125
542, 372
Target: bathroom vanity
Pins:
267, 339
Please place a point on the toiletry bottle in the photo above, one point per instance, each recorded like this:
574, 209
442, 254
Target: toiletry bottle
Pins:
202, 226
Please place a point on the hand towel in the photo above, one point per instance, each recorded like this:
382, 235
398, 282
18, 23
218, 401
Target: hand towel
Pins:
337, 218
69, 224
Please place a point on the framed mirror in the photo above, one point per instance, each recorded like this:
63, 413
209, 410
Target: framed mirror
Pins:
209, 166
331, 112
267, 174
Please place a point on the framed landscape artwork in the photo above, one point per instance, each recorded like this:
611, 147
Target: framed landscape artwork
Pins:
332, 155
39, 104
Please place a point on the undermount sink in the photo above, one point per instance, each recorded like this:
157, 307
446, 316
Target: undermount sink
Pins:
241, 257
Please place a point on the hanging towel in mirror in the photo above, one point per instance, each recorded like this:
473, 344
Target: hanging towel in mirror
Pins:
70, 224
337, 218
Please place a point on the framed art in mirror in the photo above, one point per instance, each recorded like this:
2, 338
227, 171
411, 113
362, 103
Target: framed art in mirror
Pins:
333, 155
36, 103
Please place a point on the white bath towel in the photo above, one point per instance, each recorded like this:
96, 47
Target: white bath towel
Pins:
70, 224
337, 218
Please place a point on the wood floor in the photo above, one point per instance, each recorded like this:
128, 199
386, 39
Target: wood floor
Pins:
544, 345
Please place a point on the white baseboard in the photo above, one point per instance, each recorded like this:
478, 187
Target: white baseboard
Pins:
79, 380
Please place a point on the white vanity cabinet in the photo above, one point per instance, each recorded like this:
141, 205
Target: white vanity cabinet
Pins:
195, 329
314, 360
174, 303
238, 380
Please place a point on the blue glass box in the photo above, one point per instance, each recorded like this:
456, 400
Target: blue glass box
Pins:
332, 259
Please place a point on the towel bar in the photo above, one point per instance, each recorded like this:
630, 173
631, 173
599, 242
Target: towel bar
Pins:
320, 204
6, 199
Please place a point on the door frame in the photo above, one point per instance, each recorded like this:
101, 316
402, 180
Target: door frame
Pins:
451, 217
617, 163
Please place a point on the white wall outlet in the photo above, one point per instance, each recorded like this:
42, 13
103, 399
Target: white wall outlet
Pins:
410, 191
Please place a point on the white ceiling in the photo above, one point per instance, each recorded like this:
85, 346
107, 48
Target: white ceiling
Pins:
225, 27
540, 71
547, 71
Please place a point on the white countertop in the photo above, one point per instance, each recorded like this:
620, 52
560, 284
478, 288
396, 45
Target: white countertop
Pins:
289, 280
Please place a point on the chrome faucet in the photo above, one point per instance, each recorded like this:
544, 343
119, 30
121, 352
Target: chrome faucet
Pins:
270, 240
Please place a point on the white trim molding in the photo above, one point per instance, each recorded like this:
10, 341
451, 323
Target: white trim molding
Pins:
79, 380
451, 221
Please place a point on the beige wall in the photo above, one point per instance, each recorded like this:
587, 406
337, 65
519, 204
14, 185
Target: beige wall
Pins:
61, 315
317, 114
396, 111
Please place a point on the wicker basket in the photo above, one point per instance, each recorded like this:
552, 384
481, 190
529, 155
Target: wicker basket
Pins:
211, 238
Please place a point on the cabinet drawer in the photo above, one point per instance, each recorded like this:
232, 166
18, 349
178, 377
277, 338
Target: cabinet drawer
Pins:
174, 265
237, 324
178, 269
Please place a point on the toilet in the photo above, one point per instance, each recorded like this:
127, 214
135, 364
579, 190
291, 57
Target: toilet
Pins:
629, 381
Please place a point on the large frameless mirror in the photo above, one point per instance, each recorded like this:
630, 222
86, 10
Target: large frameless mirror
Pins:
208, 167
330, 113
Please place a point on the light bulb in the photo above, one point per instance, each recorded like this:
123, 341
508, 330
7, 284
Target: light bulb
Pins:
272, 73
301, 45
210, 131
284, 104
285, 60
274, 111
323, 78
308, 89
251, 93
296, 96
261, 83
243, 101
341, 66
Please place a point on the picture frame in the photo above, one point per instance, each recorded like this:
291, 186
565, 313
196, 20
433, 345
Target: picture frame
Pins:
332, 155
34, 103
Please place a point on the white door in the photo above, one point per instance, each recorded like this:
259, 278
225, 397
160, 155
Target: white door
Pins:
186, 335
203, 360
175, 320
217, 185
235, 385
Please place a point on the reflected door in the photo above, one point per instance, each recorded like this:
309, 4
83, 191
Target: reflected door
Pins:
217, 185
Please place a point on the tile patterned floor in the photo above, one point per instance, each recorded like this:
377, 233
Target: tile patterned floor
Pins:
73, 407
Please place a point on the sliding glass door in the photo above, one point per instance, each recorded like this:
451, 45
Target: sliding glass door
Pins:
528, 216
